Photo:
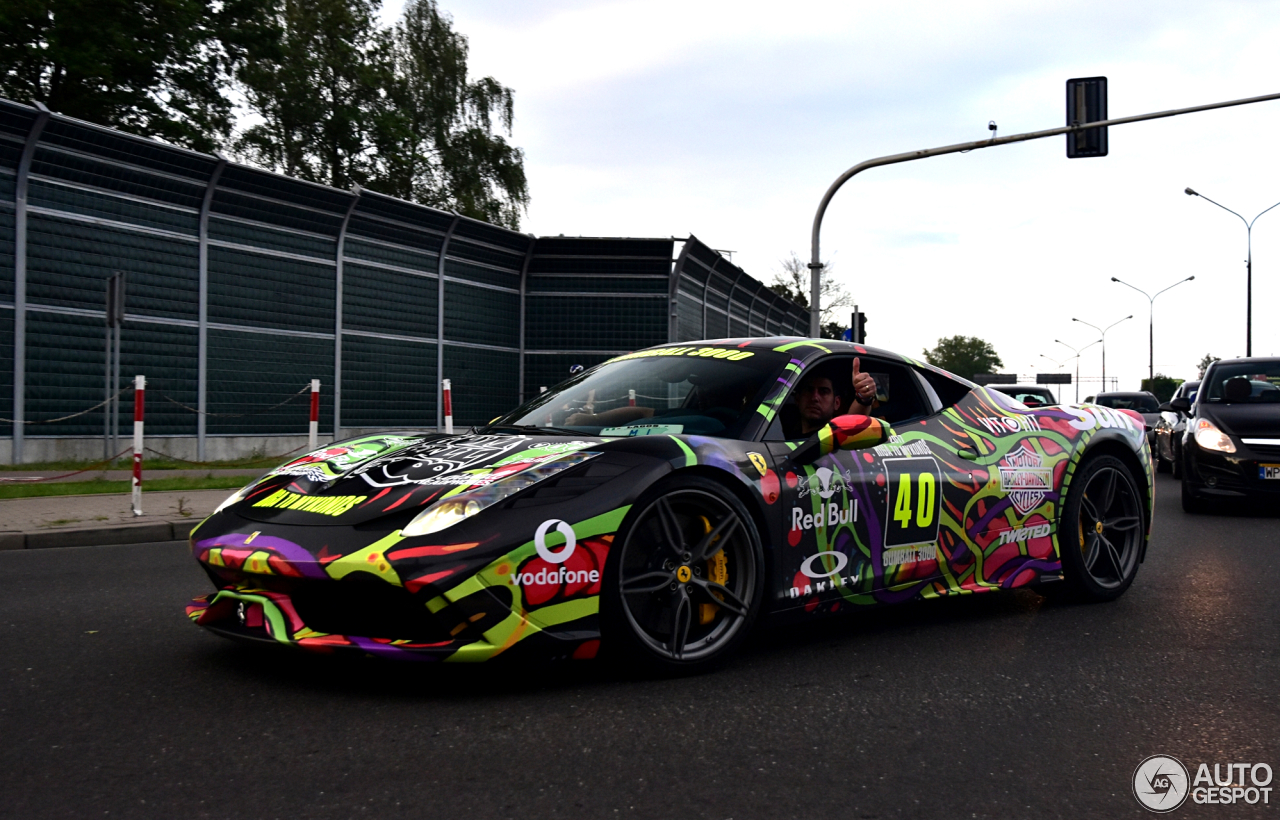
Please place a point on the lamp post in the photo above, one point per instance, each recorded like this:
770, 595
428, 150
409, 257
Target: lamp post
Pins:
1151, 329
1077, 358
1103, 331
1248, 269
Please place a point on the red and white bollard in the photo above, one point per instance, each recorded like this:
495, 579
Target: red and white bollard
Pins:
448, 407
139, 396
631, 398
313, 432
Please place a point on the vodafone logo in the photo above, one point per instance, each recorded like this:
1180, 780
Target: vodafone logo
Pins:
556, 573
545, 552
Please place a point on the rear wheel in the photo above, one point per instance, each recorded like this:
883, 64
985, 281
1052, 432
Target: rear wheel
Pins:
685, 583
1102, 530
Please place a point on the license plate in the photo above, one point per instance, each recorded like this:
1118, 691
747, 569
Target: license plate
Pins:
1269, 471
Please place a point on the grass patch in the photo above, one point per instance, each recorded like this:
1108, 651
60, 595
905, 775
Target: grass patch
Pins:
150, 462
96, 486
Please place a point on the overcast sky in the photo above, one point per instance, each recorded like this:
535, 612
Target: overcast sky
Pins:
728, 120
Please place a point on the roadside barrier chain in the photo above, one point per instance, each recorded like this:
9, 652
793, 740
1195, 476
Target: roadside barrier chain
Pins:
264, 459
102, 403
305, 389
90, 468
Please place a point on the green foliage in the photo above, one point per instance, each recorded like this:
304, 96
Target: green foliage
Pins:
1208, 359
343, 102
157, 68
98, 486
965, 356
1162, 386
436, 142
314, 90
331, 96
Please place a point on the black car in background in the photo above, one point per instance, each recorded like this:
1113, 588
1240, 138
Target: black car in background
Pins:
1140, 401
1031, 395
1167, 450
1231, 446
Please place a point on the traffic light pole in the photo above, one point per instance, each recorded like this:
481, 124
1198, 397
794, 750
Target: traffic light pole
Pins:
816, 266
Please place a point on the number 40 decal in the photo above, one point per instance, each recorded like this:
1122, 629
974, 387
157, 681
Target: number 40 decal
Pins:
913, 501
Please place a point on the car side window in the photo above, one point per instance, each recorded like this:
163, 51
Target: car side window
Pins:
900, 394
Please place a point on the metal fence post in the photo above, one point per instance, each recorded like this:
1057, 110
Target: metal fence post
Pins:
20, 282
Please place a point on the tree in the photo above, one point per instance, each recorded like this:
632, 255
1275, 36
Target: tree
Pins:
315, 91
1208, 359
965, 356
1162, 386
793, 282
436, 143
156, 68
342, 102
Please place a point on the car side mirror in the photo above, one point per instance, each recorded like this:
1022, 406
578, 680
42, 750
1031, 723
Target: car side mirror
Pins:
1165, 407
1180, 404
842, 433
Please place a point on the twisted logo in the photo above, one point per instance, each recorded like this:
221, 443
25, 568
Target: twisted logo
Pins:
1160, 783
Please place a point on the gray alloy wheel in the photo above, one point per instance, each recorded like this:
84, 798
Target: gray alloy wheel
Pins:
1103, 532
688, 578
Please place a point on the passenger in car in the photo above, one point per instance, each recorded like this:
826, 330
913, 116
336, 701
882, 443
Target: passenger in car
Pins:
818, 400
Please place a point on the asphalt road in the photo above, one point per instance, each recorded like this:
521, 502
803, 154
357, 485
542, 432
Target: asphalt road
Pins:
113, 705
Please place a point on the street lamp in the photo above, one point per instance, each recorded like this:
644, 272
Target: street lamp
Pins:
1151, 330
1248, 268
1077, 358
1103, 331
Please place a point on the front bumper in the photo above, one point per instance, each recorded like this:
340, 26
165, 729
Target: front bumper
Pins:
1213, 474
259, 615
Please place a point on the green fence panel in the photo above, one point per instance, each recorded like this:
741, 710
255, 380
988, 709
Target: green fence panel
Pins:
388, 383
251, 373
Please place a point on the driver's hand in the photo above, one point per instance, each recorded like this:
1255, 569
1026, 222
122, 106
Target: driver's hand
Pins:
864, 387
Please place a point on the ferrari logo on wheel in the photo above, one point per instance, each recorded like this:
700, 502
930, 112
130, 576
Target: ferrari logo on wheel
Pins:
684, 574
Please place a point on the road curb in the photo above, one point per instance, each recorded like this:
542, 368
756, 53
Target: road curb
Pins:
98, 536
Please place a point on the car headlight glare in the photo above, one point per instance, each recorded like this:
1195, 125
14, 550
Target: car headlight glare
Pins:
1210, 437
454, 509
236, 497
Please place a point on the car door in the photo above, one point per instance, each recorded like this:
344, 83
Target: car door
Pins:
860, 526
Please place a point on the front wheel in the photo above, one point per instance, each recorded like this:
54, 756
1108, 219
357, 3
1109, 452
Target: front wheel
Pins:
685, 583
1190, 502
1102, 531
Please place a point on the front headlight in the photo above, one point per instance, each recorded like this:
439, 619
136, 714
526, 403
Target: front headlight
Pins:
1210, 437
449, 511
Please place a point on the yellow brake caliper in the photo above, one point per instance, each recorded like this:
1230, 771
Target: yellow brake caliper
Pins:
717, 573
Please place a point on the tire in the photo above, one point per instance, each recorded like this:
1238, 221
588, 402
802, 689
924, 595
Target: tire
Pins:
1190, 502
671, 604
1176, 465
1102, 533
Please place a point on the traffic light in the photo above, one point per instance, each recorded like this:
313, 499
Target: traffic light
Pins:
858, 328
1087, 102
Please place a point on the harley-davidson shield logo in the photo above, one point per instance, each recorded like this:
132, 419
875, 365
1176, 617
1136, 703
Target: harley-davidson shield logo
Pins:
1025, 478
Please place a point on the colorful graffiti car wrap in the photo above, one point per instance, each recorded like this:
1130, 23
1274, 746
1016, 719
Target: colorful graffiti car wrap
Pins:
498, 542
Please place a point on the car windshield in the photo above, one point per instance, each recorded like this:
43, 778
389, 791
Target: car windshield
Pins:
1031, 398
1243, 382
701, 390
1141, 402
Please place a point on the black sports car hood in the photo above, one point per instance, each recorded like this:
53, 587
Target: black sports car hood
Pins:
356, 481
1244, 419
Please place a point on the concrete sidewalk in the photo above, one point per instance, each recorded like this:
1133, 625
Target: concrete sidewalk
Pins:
106, 518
